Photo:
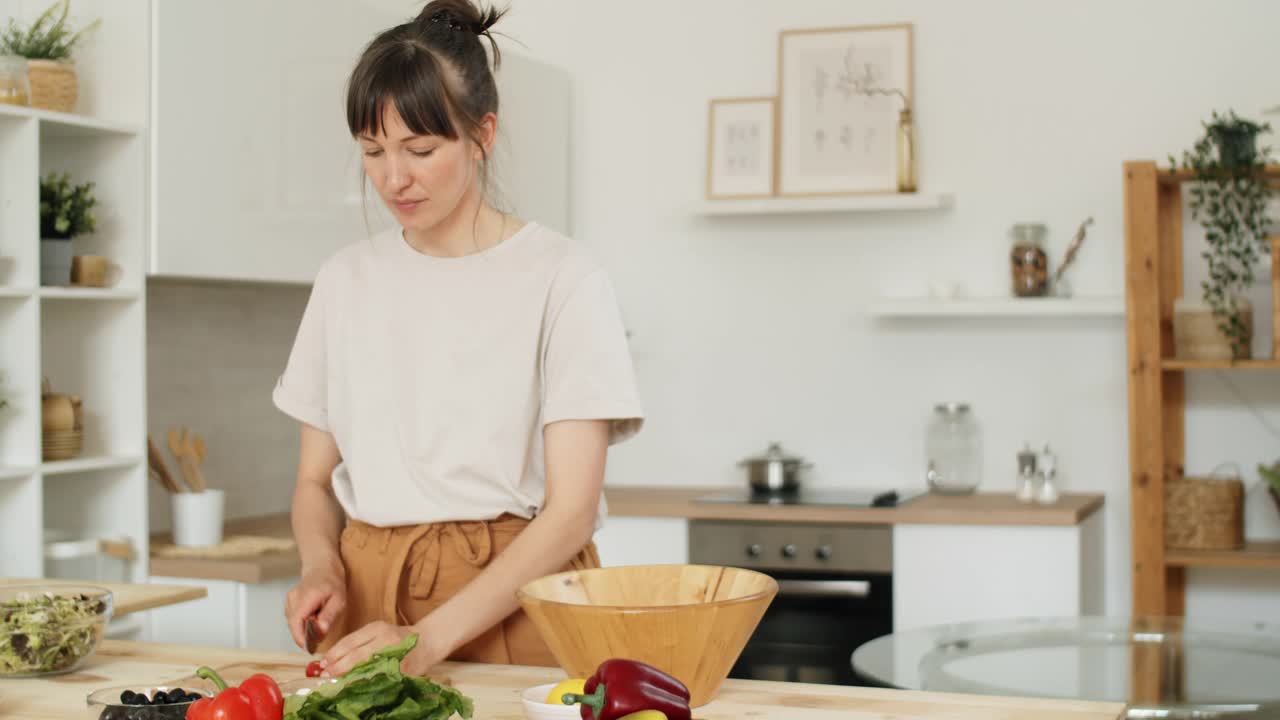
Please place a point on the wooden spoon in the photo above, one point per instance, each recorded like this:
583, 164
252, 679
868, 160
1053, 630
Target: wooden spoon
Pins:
194, 452
159, 469
178, 447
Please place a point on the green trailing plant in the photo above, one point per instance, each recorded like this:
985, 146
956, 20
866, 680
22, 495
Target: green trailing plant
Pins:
1229, 198
66, 211
48, 38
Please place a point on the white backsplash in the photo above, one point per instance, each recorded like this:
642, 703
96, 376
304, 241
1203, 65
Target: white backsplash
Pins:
214, 351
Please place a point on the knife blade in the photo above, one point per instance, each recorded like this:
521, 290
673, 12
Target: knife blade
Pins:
312, 633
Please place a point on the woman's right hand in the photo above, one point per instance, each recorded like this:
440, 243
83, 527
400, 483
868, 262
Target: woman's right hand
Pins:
322, 593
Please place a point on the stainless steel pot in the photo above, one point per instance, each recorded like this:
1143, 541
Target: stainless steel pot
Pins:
775, 471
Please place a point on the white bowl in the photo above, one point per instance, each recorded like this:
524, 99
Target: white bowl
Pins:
535, 709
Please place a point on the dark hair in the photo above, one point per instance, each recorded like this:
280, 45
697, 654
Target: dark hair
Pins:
433, 70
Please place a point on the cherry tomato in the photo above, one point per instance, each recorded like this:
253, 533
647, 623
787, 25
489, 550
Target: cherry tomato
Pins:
314, 669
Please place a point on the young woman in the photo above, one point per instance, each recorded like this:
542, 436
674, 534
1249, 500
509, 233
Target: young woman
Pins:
458, 379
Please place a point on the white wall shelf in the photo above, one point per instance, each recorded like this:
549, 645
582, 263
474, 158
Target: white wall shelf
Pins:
894, 202
1094, 306
89, 342
61, 293
11, 473
89, 464
62, 125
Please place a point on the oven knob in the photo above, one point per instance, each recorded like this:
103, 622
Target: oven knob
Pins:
753, 550
788, 551
823, 552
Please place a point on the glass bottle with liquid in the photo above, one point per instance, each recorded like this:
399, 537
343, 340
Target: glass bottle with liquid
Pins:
15, 87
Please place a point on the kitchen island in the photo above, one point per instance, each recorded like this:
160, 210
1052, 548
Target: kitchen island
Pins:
495, 690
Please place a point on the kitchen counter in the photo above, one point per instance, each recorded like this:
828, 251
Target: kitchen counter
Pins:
978, 509
672, 502
495, 690
258, 568
127, 598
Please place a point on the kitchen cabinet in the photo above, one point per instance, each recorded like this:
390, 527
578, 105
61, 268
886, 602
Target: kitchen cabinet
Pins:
256, 176
643, 541
233, 615
961, 573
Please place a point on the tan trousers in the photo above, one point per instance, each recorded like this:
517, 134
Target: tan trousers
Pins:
399, 575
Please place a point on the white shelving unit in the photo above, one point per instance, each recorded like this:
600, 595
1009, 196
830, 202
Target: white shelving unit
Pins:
87, 342
894, 202
997, 307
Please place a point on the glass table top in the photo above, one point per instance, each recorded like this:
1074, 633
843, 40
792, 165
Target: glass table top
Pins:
1160, 667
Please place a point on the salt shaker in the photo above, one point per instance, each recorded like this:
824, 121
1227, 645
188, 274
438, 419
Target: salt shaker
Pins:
1048, 492
1026, 483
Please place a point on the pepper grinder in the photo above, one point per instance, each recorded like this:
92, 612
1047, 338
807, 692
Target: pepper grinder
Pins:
1025, 488
1048, 492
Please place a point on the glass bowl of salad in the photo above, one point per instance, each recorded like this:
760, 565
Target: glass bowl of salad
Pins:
50, 629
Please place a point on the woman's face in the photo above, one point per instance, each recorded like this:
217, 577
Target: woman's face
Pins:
421, 178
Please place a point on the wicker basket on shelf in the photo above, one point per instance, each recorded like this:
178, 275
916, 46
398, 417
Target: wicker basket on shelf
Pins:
1204, 513
54, 85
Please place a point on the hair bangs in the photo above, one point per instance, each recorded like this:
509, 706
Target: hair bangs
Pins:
408, 78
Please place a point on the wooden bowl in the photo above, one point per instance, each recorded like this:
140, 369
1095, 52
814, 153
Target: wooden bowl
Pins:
690, 621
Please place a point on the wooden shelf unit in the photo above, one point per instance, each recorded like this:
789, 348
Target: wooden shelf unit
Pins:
1157, 389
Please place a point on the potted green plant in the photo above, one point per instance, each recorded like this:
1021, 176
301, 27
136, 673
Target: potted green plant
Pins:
1272, 476
47, 45
1229, 196
66, 212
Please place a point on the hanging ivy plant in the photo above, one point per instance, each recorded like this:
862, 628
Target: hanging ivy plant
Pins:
1229, 198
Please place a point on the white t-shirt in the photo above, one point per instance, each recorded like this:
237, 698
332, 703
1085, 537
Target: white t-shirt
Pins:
437, 375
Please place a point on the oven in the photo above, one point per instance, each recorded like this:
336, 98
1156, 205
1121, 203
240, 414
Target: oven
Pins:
835, 592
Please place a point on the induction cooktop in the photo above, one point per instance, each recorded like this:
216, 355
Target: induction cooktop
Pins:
838, 497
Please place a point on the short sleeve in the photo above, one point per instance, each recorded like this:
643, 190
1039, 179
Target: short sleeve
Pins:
587, 371
301, 391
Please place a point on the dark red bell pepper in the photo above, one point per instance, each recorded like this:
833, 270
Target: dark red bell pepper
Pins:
621, 687
258, 698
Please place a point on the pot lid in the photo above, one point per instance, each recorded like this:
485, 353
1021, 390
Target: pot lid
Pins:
775, 453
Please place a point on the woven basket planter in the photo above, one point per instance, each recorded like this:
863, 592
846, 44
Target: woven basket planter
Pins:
1204, 513
54, 85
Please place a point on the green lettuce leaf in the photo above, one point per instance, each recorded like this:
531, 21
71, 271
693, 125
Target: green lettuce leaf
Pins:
377, 690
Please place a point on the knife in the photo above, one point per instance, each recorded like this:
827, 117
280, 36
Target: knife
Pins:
312, 633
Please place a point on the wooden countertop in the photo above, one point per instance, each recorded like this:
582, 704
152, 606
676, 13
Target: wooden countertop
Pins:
247, 569
495, 690
979, 509
127, 598
672, 502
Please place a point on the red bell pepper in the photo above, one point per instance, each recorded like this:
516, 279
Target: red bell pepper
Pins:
621, 687
258, 698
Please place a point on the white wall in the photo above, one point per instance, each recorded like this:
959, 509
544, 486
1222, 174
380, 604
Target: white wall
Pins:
752, 330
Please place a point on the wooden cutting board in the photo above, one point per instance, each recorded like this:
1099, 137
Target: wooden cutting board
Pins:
495, 690
127, 598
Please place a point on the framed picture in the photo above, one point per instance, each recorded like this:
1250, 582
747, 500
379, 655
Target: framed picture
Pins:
840, 92
740, 141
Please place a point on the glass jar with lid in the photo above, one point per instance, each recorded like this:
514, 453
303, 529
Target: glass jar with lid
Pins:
15, 87
1028, 261
953, 450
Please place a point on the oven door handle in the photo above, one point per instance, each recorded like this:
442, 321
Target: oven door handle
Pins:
824, 588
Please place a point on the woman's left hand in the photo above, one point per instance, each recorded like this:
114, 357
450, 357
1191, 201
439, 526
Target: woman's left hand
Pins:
358, 646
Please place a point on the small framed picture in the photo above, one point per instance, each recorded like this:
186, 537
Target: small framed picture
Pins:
840, 91
740, 141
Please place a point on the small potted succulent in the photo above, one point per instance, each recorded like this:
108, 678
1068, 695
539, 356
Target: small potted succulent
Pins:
1272, 476
47, 45
66, 212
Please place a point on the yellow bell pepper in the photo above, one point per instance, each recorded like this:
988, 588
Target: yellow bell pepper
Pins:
644, 715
